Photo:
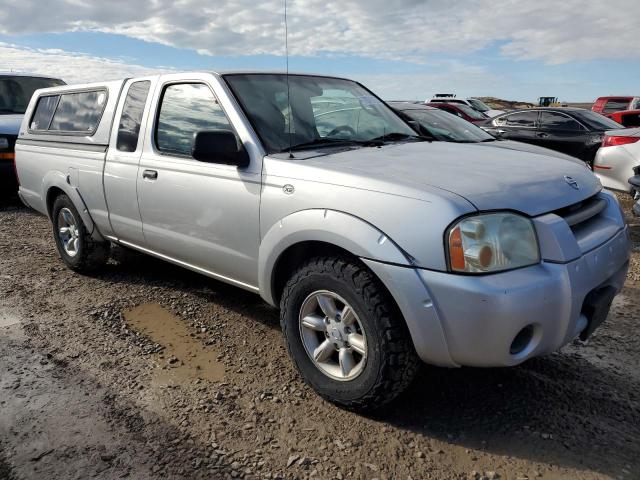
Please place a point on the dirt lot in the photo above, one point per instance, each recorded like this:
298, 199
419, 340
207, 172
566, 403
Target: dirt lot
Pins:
92, 387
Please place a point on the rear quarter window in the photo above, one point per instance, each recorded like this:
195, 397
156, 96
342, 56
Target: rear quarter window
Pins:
76, 112
616, 105
131, 119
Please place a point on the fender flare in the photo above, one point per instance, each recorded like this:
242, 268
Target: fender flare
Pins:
343, 230
65, 183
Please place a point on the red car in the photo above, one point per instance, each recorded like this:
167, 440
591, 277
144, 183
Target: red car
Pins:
462, 111
628, 118
607, 105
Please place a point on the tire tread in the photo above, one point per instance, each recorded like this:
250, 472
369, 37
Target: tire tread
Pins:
93, 254
400, 363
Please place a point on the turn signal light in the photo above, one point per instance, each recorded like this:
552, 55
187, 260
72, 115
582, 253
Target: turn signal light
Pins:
456, 250
615, 141
8, 156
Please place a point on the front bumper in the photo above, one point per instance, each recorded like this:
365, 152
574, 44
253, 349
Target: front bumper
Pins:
459, 320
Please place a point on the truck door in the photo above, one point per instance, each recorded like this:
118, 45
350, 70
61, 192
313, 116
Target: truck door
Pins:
123, 157
200, 214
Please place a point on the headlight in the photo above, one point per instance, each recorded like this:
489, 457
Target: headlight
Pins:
4, 143
492, 242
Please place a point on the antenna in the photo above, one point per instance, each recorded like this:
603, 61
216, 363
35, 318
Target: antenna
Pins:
286, 51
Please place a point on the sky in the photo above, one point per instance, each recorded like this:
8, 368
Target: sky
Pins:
576, 50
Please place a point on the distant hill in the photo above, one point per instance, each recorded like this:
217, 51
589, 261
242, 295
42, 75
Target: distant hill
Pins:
500, 104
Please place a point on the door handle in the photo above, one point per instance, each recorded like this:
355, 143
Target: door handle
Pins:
501, 131
150, 175
543, 135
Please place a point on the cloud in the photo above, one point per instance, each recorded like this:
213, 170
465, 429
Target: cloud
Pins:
547, 30
76, 67
70, 66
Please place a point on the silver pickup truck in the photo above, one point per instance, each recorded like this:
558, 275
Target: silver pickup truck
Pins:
380, 247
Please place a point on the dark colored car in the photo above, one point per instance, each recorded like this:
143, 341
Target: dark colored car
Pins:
627, 118
15, 93
443, 126
574, 131
462, 111
439, 124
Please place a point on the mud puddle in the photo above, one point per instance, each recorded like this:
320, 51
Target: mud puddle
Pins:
184, 358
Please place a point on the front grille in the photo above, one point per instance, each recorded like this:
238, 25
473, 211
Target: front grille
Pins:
580, 213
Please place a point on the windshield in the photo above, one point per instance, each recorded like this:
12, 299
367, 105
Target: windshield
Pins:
446, 127
471, 112
596, 121
16, 91
324, 111
478, 105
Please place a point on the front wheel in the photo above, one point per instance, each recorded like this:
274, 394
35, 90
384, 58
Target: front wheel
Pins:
345, 335
75, 245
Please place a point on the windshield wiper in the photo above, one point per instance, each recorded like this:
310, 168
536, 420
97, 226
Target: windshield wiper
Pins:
373, 142
398, 136
320, 143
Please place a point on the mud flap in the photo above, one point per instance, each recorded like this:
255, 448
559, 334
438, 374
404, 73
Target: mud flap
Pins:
596, 308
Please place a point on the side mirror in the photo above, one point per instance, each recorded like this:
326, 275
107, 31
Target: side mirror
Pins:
219, 146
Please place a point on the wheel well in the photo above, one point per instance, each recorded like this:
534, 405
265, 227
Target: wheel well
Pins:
294, 256
52, 194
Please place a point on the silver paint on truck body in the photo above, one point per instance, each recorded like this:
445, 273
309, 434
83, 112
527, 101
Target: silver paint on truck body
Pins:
388, 205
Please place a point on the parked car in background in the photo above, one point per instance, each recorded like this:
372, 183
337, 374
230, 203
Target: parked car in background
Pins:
626, 118
461, 110
474, 103
617, 157
574, 131
443, 126
15, 93
606, 105
380, 247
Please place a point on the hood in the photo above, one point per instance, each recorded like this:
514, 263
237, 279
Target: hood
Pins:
10, 124
527, 147
490, 178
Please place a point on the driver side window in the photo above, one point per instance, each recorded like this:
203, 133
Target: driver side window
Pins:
186, 109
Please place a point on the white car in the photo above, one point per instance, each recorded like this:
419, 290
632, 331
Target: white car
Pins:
614, 161
474, 103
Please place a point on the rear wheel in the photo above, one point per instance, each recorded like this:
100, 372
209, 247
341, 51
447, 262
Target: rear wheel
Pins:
76, 247
345, 335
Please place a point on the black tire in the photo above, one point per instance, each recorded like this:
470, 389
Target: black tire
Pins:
391, 361
91, 254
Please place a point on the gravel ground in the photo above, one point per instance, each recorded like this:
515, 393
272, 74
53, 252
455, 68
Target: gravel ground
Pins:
89, 390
